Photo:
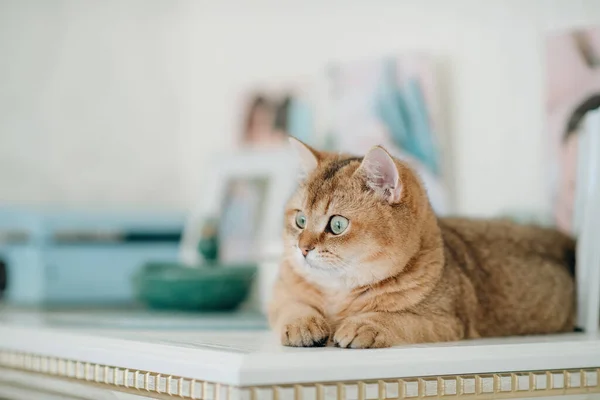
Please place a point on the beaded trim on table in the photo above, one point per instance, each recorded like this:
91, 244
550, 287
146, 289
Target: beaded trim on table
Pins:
474, 386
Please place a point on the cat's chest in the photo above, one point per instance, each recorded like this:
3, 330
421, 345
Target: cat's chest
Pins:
335, 302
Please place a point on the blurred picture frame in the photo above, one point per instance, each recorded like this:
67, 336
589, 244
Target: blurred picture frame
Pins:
392, 100
572, 95
246, 192
270, 112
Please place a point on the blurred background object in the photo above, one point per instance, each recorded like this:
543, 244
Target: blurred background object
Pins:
97, 96
72, 258
114, 115
3, 277
392, 101
573, 82
274, 113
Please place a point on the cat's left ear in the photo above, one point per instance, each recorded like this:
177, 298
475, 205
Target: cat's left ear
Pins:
381, 173
309, 157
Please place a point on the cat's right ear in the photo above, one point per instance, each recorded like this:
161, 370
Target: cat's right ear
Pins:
309, 157
381, 174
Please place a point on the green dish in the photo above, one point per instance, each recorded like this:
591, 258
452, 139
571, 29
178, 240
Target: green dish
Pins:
210, 287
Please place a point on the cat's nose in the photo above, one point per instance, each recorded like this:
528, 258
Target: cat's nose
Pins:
306, 249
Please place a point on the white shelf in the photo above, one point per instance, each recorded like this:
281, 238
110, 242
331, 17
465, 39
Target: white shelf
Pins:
253, 358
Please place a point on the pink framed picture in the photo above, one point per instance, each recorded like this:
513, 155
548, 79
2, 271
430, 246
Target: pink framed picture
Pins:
572, 92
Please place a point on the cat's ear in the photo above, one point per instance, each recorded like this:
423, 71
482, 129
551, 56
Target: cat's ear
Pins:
381, 174
309, 157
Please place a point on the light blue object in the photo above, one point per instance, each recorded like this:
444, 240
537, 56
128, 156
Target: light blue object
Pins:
300, 120
404, 112
389, 106
42, 271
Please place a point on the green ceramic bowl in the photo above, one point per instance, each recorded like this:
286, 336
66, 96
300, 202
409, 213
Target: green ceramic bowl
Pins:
209, 287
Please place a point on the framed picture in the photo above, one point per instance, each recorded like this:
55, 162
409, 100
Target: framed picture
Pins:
245, 192
572, 94
272, 112
242, 214
390, 101
573, 131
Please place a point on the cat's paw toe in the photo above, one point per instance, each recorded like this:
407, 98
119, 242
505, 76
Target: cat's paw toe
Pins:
310, 331
360, 335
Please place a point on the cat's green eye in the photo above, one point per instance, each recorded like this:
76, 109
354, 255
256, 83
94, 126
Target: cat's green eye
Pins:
338, 224
300, 220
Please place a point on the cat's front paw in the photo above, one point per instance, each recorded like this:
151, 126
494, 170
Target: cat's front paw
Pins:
308, 331
360, 334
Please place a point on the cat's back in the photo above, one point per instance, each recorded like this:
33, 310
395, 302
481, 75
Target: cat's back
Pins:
522, 274
501, 236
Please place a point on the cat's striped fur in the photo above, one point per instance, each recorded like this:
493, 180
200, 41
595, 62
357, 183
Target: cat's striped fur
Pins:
398, 274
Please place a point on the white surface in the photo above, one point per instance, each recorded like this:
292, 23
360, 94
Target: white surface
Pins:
137, 320
256, 358
122, 102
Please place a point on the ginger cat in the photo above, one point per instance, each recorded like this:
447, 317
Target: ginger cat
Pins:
368, 264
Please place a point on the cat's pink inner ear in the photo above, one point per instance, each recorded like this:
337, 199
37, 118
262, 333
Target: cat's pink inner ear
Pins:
381, 174
307, 156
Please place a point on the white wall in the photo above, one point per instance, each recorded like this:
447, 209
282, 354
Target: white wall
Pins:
100, 100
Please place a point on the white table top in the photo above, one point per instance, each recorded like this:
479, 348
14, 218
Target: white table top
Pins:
254, 357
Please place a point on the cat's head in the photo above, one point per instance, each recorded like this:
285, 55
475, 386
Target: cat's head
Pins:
353, 221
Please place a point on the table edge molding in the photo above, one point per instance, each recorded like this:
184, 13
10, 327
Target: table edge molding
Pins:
511, 385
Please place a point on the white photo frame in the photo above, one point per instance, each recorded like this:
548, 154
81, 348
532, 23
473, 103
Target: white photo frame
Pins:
277, 166
587, 223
